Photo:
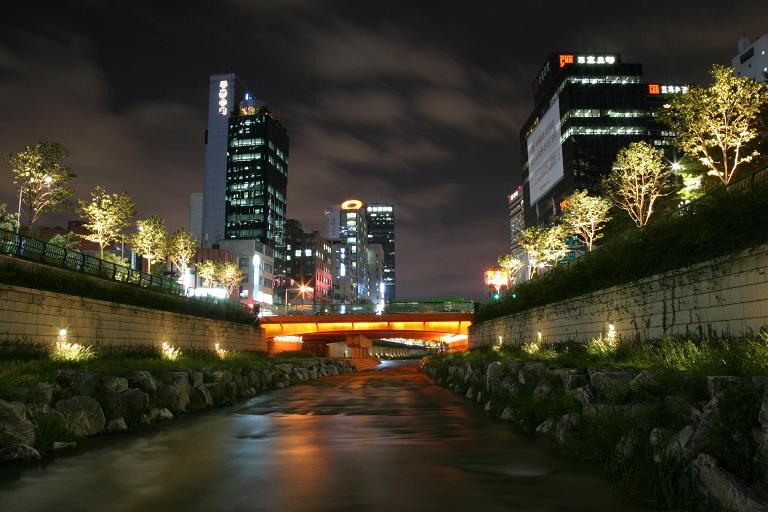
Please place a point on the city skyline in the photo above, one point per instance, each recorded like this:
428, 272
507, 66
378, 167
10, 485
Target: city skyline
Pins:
388, 109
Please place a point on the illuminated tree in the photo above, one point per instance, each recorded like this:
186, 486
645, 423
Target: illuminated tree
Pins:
207, 270
8, 221
67, 240
106, 217
42, 179
229, 275
585, 216
511, 265
639, 178
544, 246
181, 249
151, 240
719, 124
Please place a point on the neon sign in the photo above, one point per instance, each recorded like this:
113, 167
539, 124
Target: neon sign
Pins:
566, 59
223, 85
352, 204
654, 89
596, 59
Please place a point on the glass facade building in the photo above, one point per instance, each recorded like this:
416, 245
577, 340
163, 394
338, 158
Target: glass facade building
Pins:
380, 218
587, 107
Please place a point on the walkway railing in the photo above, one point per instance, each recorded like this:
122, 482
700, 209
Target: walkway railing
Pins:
393, 307
32, 249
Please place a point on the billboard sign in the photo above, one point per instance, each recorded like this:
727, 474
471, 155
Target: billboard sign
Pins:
545, 154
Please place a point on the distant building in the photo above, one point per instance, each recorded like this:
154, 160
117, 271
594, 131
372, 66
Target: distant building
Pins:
256, 261
196, 216
353, 233
309, 261
516, 219
342, 289
380, 218
586, 108
77, 227
376, 274
752, 59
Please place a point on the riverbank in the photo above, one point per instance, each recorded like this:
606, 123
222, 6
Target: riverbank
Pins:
669, 431
48, 406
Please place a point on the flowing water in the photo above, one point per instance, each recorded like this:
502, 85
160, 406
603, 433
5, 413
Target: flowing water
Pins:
382, 440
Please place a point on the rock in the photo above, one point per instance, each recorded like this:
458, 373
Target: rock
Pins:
488, 406
116, 384
157, 415
18, 453
717, 489
493, 376
642, 413
648, 380
175, 395
15, 427
133, 404
200, 397
679, 407
760, 382
35, 412
543, 391
222, 393
709, 421
584, 395
719, 383
58, 445
117, 425
530, 373
612, 384
480, 396
567, 427
83, 416
763, 417
470, 393
678, 446
42, 393
571, 378
144, 381
627, 445
196, 378
660, 437
507, 414
545, 428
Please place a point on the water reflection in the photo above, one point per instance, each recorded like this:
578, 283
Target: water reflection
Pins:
381, 440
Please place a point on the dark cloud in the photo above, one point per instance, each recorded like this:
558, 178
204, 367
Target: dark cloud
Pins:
418, 103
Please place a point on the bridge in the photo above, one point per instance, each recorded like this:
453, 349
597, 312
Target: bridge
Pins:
448, 325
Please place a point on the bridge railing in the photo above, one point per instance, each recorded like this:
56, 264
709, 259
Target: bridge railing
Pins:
393, 307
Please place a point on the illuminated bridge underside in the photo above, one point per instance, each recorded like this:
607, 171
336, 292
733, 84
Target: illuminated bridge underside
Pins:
427, 326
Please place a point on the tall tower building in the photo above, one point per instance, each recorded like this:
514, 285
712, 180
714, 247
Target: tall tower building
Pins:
221, 98
587, 107
516, 219
752, 60
380, 218
257, 179
347, 225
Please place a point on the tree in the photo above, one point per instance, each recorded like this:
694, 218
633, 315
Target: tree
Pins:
42, 179
106, 217
510, 264
181, 249
543, 246
639, 178
67, 241
208, 271
8, 221
719, 124
585, 216
229, 275
151, 240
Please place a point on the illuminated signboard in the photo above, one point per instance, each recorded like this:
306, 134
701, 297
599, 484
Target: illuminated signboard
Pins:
223, 85
596, 59
289, 339
352, 204
496, 278
657, 89
565, 59
545, 154
654, 89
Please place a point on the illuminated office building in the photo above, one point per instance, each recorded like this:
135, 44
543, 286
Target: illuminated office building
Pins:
380, 218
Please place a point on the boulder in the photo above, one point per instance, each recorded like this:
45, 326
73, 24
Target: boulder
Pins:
111, 383
41, 393
530, 373
133, 404
571, 377
648, 380
83, 416
584, 395
716, 489
488, 406
719, 383
470, 393
545, 428
196, 378
222, 393
144, 381
493, 376
543, 391
507, 414
678, 446
117, 425
15, 427
659, 438
81, 382
480, 396
567, 427
175, 394
628, 445
64, 445
611, 383
18, 453
35, 412
159, 414
200, 397
709, 421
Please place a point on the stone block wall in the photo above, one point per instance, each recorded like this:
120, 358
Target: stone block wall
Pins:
37, 316
724, 296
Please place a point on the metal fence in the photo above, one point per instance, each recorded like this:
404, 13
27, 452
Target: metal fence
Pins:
32, 249
740, 185
393, 307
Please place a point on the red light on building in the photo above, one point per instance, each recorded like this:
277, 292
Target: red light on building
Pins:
654, 89
565, 59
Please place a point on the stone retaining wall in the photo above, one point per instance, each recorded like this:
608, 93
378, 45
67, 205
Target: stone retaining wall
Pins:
724, 296
38, 316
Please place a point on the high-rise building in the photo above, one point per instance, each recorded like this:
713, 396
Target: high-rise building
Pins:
309, 261
587, 107
351, 229
376, 272
516, 218
752, 60
221, 100
196, 216
256, 261
380, 218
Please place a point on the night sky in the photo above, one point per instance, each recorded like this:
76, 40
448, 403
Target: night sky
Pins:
418, 103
